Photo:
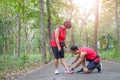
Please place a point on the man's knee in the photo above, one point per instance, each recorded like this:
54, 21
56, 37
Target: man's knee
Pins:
85, 70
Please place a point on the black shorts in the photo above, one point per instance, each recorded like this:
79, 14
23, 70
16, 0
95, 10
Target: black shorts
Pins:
92, 65
58, 54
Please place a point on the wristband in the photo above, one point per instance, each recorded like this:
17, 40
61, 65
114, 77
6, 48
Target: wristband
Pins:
72, 69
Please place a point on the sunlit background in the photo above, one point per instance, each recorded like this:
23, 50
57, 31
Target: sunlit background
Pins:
26, 27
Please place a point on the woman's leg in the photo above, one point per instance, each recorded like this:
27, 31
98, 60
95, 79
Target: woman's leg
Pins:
56, 60
63, 62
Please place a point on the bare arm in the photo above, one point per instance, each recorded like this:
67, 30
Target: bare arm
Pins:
65, 44
57, 39
82, 56
75, 59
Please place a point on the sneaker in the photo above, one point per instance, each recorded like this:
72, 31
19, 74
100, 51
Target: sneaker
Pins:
81, 70
56, 72
99, 68
68, 72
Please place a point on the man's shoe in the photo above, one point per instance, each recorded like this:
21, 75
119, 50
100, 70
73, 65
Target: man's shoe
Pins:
56, 72
99, 68
81, 70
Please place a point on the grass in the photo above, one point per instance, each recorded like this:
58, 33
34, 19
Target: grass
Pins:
110, 55
10, 63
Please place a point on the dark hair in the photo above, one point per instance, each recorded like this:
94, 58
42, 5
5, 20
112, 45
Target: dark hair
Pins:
74, 47
67, 24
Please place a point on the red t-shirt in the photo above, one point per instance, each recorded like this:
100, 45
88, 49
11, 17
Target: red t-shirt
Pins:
91, 54
62, 36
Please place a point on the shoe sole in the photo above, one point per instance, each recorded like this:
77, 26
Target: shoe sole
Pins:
56, 73
101, 67
68, 72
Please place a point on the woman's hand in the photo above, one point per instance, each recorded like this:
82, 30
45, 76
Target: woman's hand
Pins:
66, 49
59, 49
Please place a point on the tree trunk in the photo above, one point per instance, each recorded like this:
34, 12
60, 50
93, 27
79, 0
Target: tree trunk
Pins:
87, 38
5, 38
49, 28
5, 45
72, 30
2, 41
43, 45
8, 41
25, 29
81, 27
3, 30
96, 25
116, 19
85, 23
18, 42
25, 43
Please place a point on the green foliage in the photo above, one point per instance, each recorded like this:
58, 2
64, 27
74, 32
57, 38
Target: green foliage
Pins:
68, 55
22, 61
110, 55
116, 48
9, 63
30, 29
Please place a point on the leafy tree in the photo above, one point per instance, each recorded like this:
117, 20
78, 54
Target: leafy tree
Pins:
43, 44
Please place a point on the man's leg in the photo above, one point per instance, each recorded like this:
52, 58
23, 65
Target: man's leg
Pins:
99, 67
86, 70
90, 67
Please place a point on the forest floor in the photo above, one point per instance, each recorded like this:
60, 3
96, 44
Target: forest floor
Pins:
111, 71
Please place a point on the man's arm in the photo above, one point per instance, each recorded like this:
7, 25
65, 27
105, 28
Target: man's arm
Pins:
75, 59
82, 56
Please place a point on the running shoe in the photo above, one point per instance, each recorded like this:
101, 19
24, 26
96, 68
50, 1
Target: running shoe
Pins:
56, 72
68, 72
81, 70
99, 68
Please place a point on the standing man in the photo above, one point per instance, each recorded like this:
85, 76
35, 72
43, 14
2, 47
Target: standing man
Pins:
88, 54
58, 43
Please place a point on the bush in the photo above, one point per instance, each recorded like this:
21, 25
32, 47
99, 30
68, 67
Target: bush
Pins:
10, 63
110, 55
